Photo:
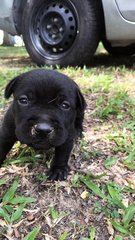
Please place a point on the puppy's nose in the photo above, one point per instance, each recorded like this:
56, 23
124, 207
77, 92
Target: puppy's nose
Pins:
43, 128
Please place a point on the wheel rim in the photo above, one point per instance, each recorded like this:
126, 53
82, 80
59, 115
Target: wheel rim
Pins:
54, 28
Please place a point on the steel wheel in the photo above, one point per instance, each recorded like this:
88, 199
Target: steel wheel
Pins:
57, 33
54, 29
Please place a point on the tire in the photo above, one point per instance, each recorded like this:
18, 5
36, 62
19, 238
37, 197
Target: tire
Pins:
119, 51
60, 32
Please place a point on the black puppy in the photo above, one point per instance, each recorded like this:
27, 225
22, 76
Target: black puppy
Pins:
47, 111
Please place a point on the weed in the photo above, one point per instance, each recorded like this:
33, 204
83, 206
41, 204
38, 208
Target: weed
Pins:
109, 162
21, 154
123, 141
101, 83
12, 206
112, 200
41, 177
129, 162
118, 237
75, 180
54, 213
63, 236
87, 151
112, 104
33, 234
92, 234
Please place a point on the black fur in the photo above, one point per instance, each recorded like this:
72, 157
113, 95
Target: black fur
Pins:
47, 111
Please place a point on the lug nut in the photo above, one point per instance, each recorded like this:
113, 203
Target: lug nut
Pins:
55, 20
61, 29
48, 26
53, 36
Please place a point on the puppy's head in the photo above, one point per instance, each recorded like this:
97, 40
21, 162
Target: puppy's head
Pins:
48, 108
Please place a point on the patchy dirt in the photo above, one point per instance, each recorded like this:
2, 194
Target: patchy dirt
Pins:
74, 202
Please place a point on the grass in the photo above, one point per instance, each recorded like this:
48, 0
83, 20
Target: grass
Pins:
112, 196
8, 52
97, 200
12, 208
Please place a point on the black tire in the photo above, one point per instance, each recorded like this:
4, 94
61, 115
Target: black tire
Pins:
119, 51
60, 32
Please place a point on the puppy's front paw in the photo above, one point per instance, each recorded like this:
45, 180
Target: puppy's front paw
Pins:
58, 173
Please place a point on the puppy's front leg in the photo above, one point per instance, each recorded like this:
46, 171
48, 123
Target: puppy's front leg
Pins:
59, 168
6, 144
7, 136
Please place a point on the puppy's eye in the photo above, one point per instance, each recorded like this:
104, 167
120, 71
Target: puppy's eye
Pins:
65, 105
23, 100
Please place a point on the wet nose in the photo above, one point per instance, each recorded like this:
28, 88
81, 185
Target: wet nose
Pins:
43, 128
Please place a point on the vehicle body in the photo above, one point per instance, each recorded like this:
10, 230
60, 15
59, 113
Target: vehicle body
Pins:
67, 32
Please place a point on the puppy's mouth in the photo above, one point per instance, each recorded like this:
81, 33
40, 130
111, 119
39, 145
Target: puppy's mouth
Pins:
40, 145
42, 134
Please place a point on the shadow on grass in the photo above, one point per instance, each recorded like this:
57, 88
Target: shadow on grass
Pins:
18, 56
106, 60
16, 61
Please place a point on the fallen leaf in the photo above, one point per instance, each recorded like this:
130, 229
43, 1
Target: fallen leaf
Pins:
84, 194
49, 222
30, 217
16, 233
110, 228
2, 223
131, 180
125, 201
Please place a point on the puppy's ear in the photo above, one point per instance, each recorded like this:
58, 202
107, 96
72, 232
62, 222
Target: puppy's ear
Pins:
81, 105
10, 87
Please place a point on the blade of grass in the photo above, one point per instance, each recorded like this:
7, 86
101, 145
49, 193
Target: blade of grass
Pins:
93, 187
118, 238
54, 213
129, 213
130, 161
10, 193
4, 214
119, 227
18, 213
63, 236
115, 196
132, 229
92, 233
109, 162
2, 181
8, 208
32, 235
20, 200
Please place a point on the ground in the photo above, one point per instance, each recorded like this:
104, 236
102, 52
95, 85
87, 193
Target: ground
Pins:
98, 199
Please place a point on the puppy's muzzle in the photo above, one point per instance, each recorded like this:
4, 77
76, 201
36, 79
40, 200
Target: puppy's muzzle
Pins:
42, 129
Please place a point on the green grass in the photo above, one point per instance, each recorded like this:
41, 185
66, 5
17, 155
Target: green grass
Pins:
12, 208
111, 204
10, 52
105, 156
